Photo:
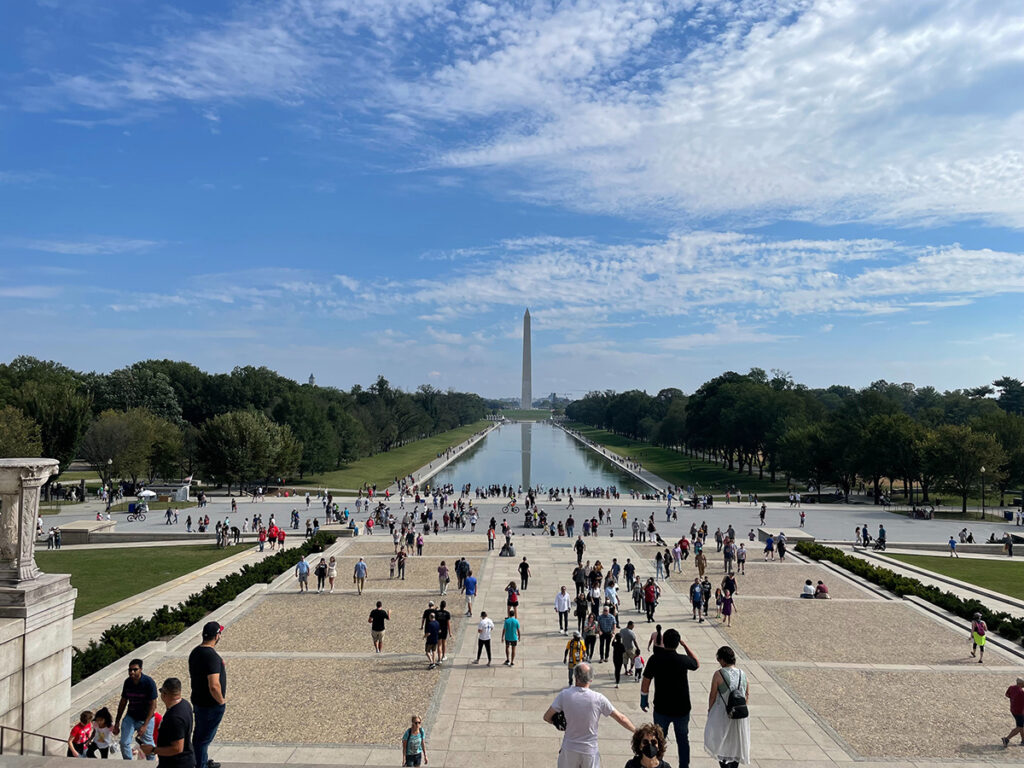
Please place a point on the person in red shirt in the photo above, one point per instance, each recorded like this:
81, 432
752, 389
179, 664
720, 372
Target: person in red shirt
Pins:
80, 736
272, 536
1015, 693
263, 538
280, 538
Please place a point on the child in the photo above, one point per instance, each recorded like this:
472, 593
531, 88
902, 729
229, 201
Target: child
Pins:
728, 607
392, 566
102, 734
718, 603
978, 632
81, 733
638, 667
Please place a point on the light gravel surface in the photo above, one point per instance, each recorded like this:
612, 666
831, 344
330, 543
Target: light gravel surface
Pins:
902, 714
331, 623
785, 579
434, 546
420, 573
317, 701
836, 631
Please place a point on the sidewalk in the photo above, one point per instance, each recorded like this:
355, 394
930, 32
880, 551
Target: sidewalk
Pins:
92, 625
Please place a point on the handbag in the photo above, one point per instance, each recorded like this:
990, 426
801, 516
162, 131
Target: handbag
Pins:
736, 702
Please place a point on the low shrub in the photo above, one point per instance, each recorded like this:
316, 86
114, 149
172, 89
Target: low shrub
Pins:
1009, 627
121, 639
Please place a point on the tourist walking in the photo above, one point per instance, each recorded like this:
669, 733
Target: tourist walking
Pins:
650, 599
444, 619
302, 574
174, 742
590, 632
727, 729
524, 574
582, 610
606, 623
431, 638
630, 645
701, 562
443, 578
321, 575
979, 630
510, 636
470, 586
209, 680
378, 617
648, 745
952, 548
728, 607
741, 559
414, 743
1015, 693
512, 603
583, 709
668, 669
563, 603
137, 706
580, 548
575, 650
483, 637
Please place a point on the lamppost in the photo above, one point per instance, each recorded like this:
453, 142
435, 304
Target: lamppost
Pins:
983, 493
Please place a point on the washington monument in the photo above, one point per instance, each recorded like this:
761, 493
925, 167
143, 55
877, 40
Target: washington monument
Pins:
527, 399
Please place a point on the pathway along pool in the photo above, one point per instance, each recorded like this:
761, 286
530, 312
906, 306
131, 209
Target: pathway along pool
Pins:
532, 454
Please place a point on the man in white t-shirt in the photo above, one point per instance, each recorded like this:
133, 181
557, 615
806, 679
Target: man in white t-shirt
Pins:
483, 637
583, 709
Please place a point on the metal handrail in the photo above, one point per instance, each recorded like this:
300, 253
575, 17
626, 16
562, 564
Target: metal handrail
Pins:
24, 733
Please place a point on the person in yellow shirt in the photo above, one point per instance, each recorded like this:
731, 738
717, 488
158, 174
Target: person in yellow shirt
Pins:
625, 519
574, 651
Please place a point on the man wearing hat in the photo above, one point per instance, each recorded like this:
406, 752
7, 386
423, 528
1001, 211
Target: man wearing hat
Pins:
174, 740
574, 651
209, 691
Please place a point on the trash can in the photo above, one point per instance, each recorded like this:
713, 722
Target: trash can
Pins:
131, 507
1008, 515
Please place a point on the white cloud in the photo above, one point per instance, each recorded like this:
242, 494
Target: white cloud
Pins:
93, 246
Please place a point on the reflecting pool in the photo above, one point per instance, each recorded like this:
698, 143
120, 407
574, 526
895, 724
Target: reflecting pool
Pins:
531, 454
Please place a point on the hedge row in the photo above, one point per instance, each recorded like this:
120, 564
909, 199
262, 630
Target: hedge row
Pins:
121, 639
1007, 626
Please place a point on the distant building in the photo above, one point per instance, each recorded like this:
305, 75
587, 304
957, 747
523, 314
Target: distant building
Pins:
312, 380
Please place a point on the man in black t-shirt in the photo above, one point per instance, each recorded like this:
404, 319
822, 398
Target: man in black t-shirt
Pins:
138, 696
668, 669
209, 692
174, 741
431, 636
524, 573
444, 619
376, 621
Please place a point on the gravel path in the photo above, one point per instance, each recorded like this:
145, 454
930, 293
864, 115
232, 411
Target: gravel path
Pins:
774, 580
912, 714
321, 701
875, 632
331, 623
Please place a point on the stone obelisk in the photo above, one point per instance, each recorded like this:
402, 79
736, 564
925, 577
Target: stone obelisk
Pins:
527, 399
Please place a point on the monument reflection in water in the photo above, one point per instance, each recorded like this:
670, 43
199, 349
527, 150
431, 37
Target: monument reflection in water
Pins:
547, 457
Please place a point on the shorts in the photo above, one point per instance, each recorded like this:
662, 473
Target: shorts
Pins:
428, 647
568, 759
1019, 720
377, 636
513, 643
303, 578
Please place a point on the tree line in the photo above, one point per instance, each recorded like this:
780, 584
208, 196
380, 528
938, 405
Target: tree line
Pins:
929, 441
169, 419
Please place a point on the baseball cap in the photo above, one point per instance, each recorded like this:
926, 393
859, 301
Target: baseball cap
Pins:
211, 629
576, 634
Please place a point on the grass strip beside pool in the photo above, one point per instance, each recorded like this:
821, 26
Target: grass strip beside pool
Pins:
105, 576
383, 468
1003, 576
676, 468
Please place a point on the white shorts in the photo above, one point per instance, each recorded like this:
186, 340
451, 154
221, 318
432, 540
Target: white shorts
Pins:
578, 760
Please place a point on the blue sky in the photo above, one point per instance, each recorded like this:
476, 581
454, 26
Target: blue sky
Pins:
350, 188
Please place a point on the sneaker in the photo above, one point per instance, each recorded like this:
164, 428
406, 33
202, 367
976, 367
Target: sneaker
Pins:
476, 661
212, 764
1006, 741
432, 666
507, 663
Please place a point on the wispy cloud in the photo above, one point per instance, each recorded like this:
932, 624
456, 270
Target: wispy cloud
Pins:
93, 246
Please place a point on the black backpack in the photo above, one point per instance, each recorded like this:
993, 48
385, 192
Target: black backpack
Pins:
736, 701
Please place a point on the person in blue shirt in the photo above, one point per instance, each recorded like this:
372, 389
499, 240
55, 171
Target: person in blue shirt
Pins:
302, 574
607, 623
510, 634
470, 586
359, 575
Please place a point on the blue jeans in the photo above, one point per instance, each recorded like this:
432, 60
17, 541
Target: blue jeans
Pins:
682, 729
129, 725
207, 721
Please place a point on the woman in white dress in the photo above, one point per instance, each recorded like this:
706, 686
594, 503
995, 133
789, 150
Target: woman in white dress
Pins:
725, 738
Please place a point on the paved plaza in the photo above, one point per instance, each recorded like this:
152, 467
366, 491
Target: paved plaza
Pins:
857, 679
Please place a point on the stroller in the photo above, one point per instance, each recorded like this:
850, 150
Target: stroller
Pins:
879, 545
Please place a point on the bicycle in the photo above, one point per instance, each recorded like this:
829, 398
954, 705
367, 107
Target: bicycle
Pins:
512, 506
131, 517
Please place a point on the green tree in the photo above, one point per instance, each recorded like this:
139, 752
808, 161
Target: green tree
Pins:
242, 447
956, 454
62, 413
138, 386
19, 435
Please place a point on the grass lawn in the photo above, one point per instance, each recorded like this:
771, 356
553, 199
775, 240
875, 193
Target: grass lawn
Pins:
1003, 576
383, 468
521, 414
100, 577
677, 468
